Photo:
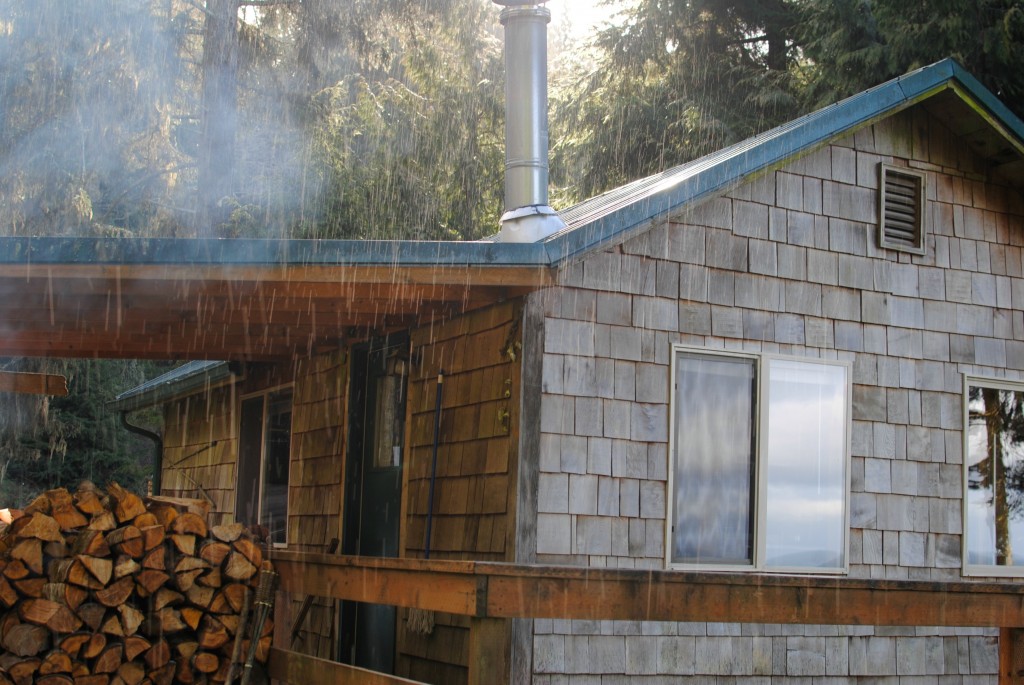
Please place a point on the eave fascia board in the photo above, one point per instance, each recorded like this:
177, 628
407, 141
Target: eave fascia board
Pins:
243, 251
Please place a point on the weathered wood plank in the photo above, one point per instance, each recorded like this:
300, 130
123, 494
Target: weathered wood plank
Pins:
435, 585
300, 669
498, 590
488, 651
33, 383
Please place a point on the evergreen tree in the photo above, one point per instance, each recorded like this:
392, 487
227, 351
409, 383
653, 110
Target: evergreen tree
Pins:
673, 80
856, 44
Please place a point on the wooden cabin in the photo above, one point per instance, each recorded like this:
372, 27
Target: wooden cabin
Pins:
739, 406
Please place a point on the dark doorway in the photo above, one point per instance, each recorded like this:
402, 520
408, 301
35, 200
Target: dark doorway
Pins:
373, 490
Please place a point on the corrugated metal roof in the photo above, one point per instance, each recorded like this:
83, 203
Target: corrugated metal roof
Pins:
187, 377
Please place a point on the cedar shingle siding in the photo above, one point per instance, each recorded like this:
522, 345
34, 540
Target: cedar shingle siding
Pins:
786, 263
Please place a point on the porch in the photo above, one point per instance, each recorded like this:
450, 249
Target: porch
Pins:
491, 594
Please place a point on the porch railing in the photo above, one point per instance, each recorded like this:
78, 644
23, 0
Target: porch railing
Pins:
491, 593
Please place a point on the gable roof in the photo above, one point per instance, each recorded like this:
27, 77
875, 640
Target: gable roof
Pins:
970, 109
280, 299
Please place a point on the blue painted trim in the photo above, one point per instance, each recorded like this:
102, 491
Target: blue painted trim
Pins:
179, 251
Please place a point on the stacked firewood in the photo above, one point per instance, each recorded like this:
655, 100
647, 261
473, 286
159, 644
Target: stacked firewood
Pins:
105, 588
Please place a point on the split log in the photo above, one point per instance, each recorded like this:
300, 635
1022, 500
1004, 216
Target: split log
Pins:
185, 543
100, 568
131, 619
55, 679
152, 536
205, 662
238, 567
103, 520
92, 543
190, 522
8, 596
23, 669
95, 646
163, 675
110, 659
30, 552
228, 532
30, 587
116, 593
150, 580
72, 644
213, 552
250, 549
126, 540
200, 596
158, 655
25, 639
124, 565
155, 558
57, 661
68, 517
88, 500
166, 596
56, 617
92, 614
131, 673
15, 569
70, 596
127, 505
136, 645
39, 526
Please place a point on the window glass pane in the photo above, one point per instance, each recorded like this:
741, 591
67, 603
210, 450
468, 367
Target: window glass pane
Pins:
274, 511
713, 498
250, 447
805, 464
995, 477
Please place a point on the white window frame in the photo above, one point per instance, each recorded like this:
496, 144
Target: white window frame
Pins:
266, 394
968, 568
760, 486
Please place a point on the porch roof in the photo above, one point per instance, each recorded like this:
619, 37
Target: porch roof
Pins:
240, 299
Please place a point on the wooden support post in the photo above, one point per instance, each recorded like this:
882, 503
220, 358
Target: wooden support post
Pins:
488, 651
1011, 656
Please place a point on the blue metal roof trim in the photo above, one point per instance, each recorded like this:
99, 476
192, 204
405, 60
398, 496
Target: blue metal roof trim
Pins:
616, 213
185, 377
242, 251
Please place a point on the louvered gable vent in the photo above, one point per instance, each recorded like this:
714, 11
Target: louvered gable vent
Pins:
901, 224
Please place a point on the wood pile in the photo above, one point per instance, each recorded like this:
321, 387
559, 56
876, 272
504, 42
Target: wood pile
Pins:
110, 589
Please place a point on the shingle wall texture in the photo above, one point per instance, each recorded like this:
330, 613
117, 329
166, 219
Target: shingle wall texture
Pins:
786, 263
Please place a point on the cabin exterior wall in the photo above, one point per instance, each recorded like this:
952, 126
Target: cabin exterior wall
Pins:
206, 425
787, 263
477, 456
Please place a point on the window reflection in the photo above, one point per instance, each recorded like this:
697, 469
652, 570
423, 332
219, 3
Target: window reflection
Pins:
714, 471
759, 486
805, 463
995, 476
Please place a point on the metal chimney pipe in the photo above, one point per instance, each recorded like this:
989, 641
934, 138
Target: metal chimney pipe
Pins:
527, 217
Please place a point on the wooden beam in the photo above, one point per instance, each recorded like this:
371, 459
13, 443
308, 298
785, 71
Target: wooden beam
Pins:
33, 383
497, 590
301, 669
488, 651
1011, 656
437, 586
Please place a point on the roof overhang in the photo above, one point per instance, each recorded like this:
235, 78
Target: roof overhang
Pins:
241, 299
